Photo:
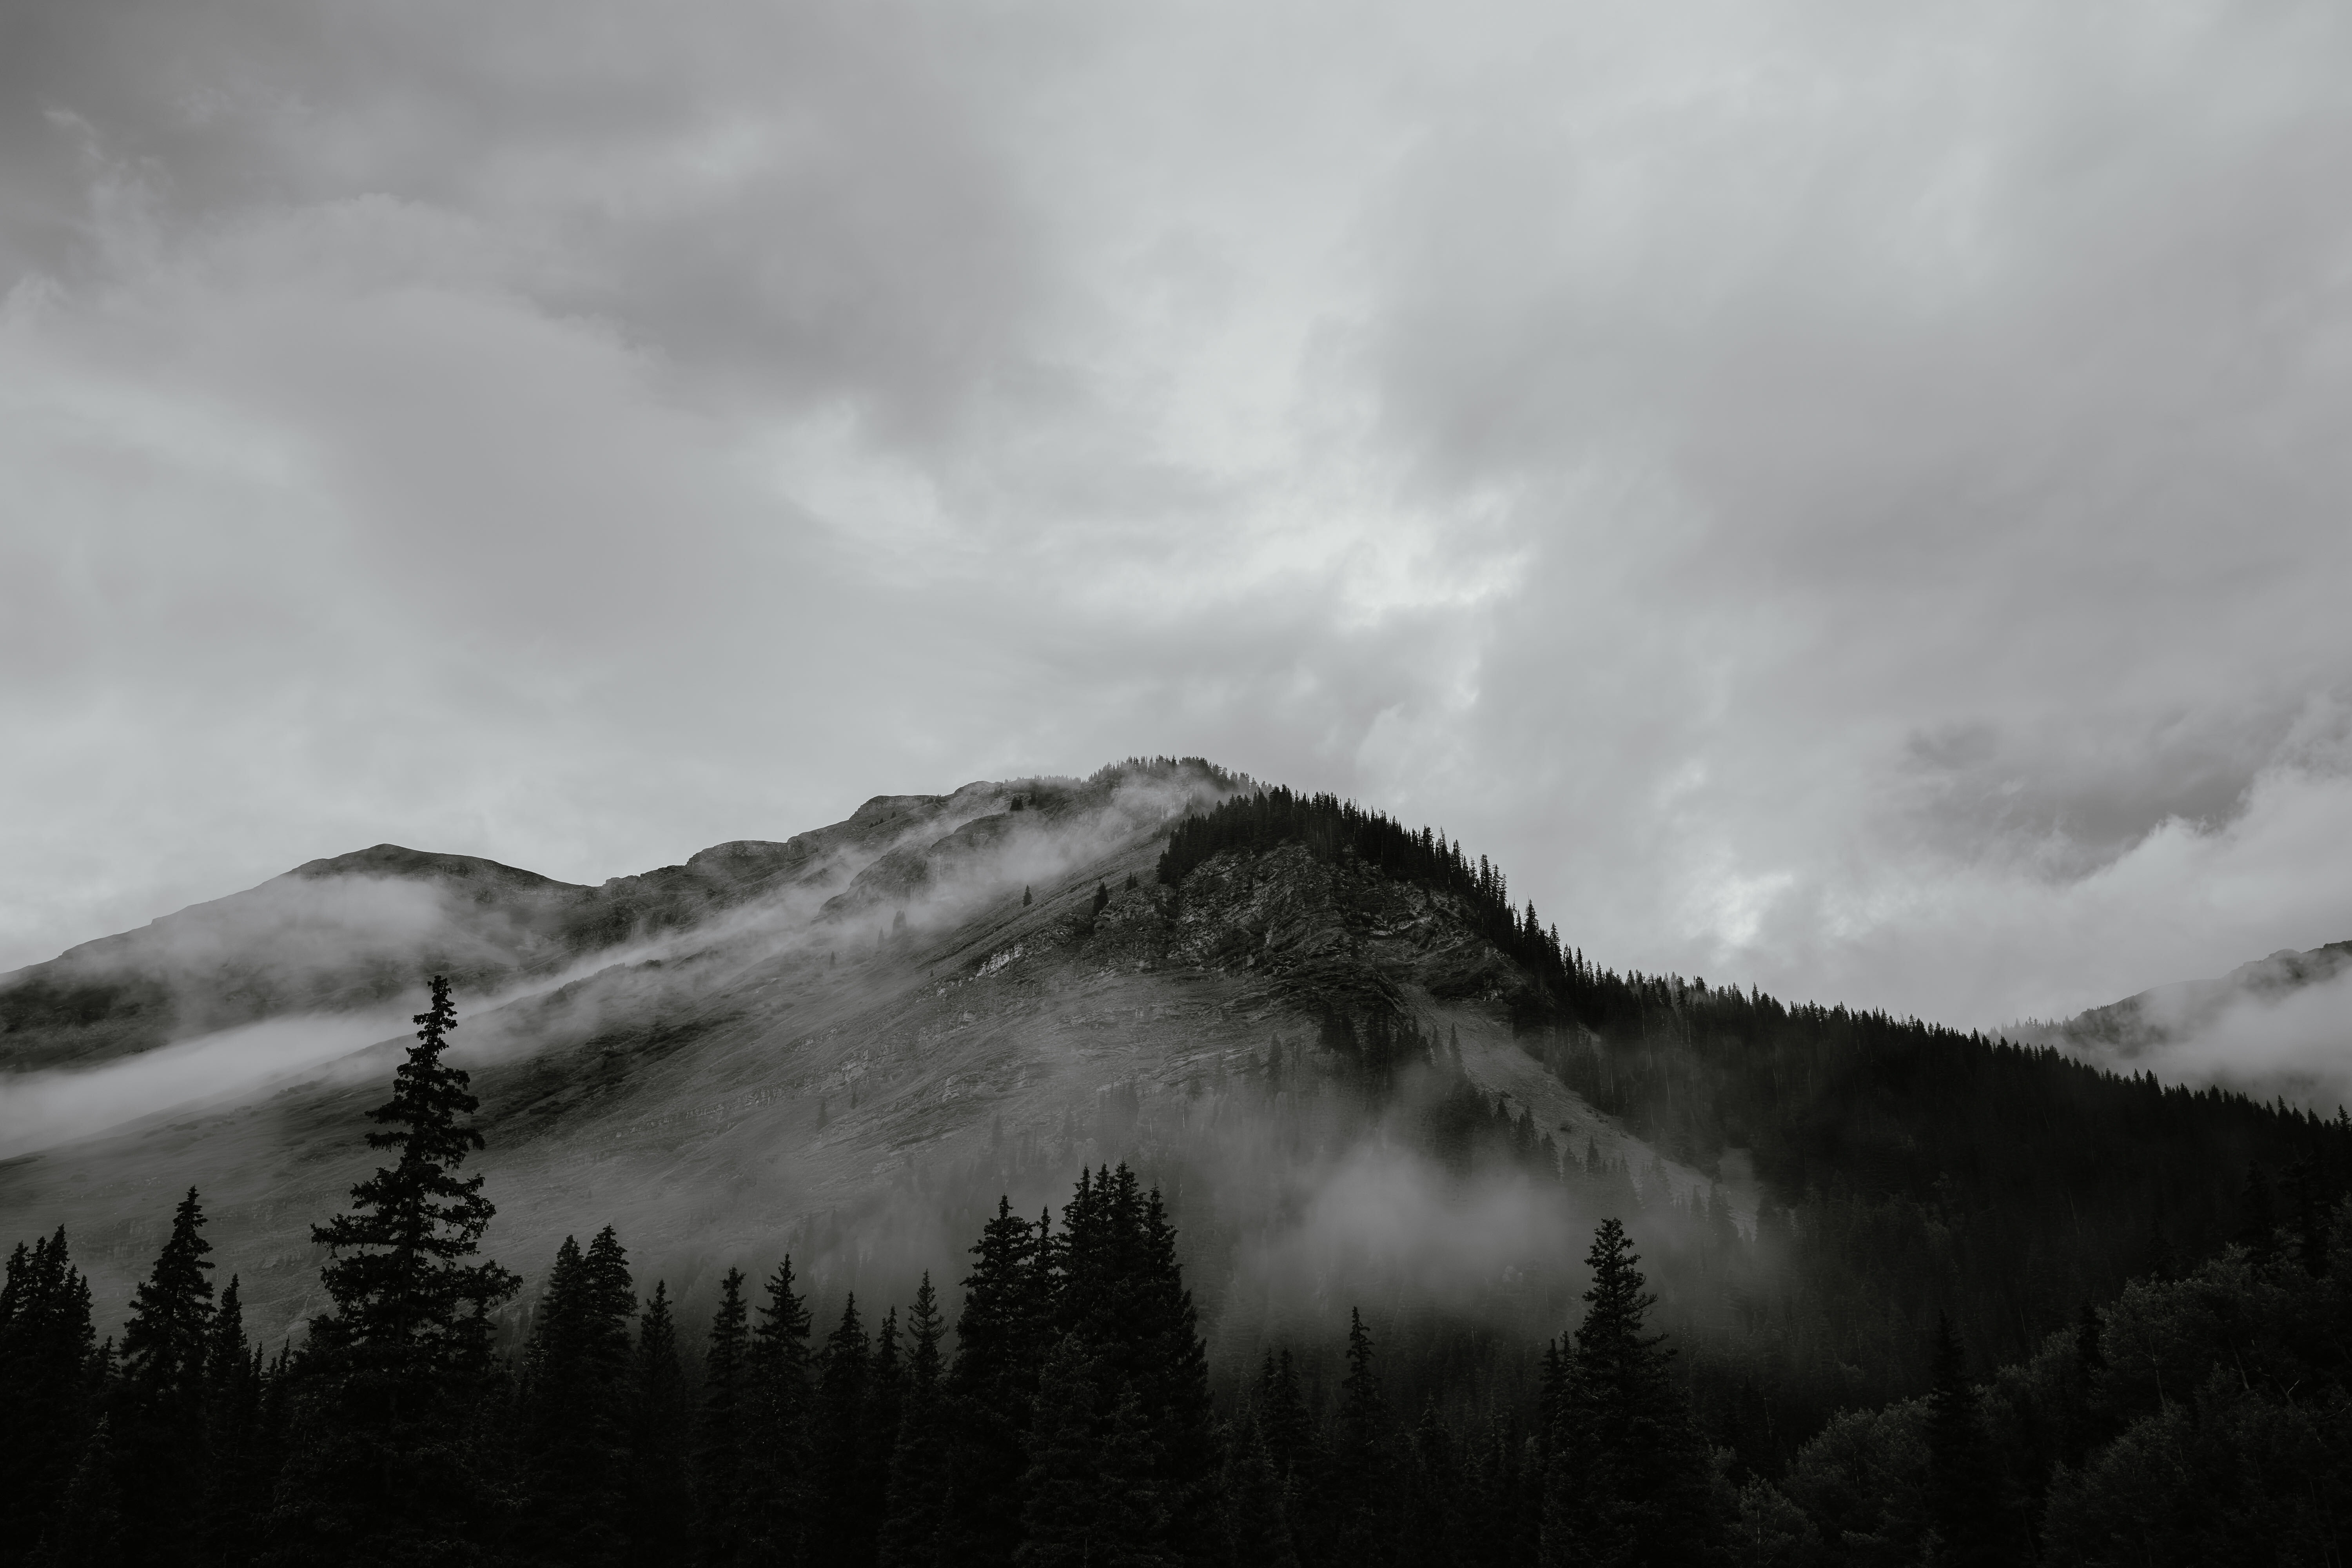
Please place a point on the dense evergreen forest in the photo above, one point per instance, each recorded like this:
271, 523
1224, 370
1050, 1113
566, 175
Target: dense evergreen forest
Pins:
1907, 1170
1993, 1307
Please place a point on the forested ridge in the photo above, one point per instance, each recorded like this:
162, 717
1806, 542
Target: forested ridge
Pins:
1906, 1169
1988, 1306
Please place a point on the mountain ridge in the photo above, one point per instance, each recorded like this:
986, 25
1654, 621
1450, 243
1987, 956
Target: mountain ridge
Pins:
387, 913
1359, 1072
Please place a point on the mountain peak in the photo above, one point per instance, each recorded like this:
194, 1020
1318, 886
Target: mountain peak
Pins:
398, 860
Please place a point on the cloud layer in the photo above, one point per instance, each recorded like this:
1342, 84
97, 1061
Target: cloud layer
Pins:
1851, 504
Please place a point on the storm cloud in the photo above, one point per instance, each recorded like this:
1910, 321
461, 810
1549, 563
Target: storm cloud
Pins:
1848, 502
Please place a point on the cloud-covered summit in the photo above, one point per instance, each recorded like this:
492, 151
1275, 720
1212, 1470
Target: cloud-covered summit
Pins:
1845, 503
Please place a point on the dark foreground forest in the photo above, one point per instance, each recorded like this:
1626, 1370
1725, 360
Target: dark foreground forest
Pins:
2203, 1416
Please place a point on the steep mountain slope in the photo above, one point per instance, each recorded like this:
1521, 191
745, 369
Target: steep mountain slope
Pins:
1361, 1076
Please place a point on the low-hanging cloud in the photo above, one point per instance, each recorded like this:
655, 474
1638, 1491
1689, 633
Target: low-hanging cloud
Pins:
1850, 506
2298, 1045
924, 864
45, 1109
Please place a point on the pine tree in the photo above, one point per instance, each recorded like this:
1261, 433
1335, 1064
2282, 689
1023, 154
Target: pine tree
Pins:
840, 1528
157, 1414
387, 1463
990, 1387
1361, 1483
1116, 1287
241, 1464
1171, 1381
877, 1432
910, 1529
1628, 1480
777, 1446
659, 1509
399, 1277
49, 1349
575, 1390
723, 1483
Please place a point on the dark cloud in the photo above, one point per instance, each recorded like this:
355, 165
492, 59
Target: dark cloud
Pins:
1847, 504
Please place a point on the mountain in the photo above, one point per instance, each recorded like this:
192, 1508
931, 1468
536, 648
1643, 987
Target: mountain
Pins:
340, 934
2278, 1026
1362, 1076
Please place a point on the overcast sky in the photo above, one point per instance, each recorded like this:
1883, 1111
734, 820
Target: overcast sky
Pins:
1846, 498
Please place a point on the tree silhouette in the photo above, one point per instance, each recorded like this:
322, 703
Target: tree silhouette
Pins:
388, 1463
910, 1529
722, 1434
1628, 1481
576, 1387
158, 1406
48, 1349
659, 1514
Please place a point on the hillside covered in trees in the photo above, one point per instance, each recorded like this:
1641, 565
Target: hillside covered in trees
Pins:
1328, 1208
1069, 1416
1903, 1170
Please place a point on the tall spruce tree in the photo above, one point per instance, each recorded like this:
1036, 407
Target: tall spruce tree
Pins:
1362, 1496
840, 1526
1172, 1383
388, 1463
878, 1421
1628, 1480
919, 1459
48, 1349
658, 1505
998, 1339
1116, 1287
242, 1465
157, 1409
722, 1480
779, 1431
574, 1415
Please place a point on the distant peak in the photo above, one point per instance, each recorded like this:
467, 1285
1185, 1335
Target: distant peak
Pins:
397, 860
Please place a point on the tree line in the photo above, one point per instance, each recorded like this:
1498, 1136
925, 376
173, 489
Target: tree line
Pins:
1072, 1424
1069, 1416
